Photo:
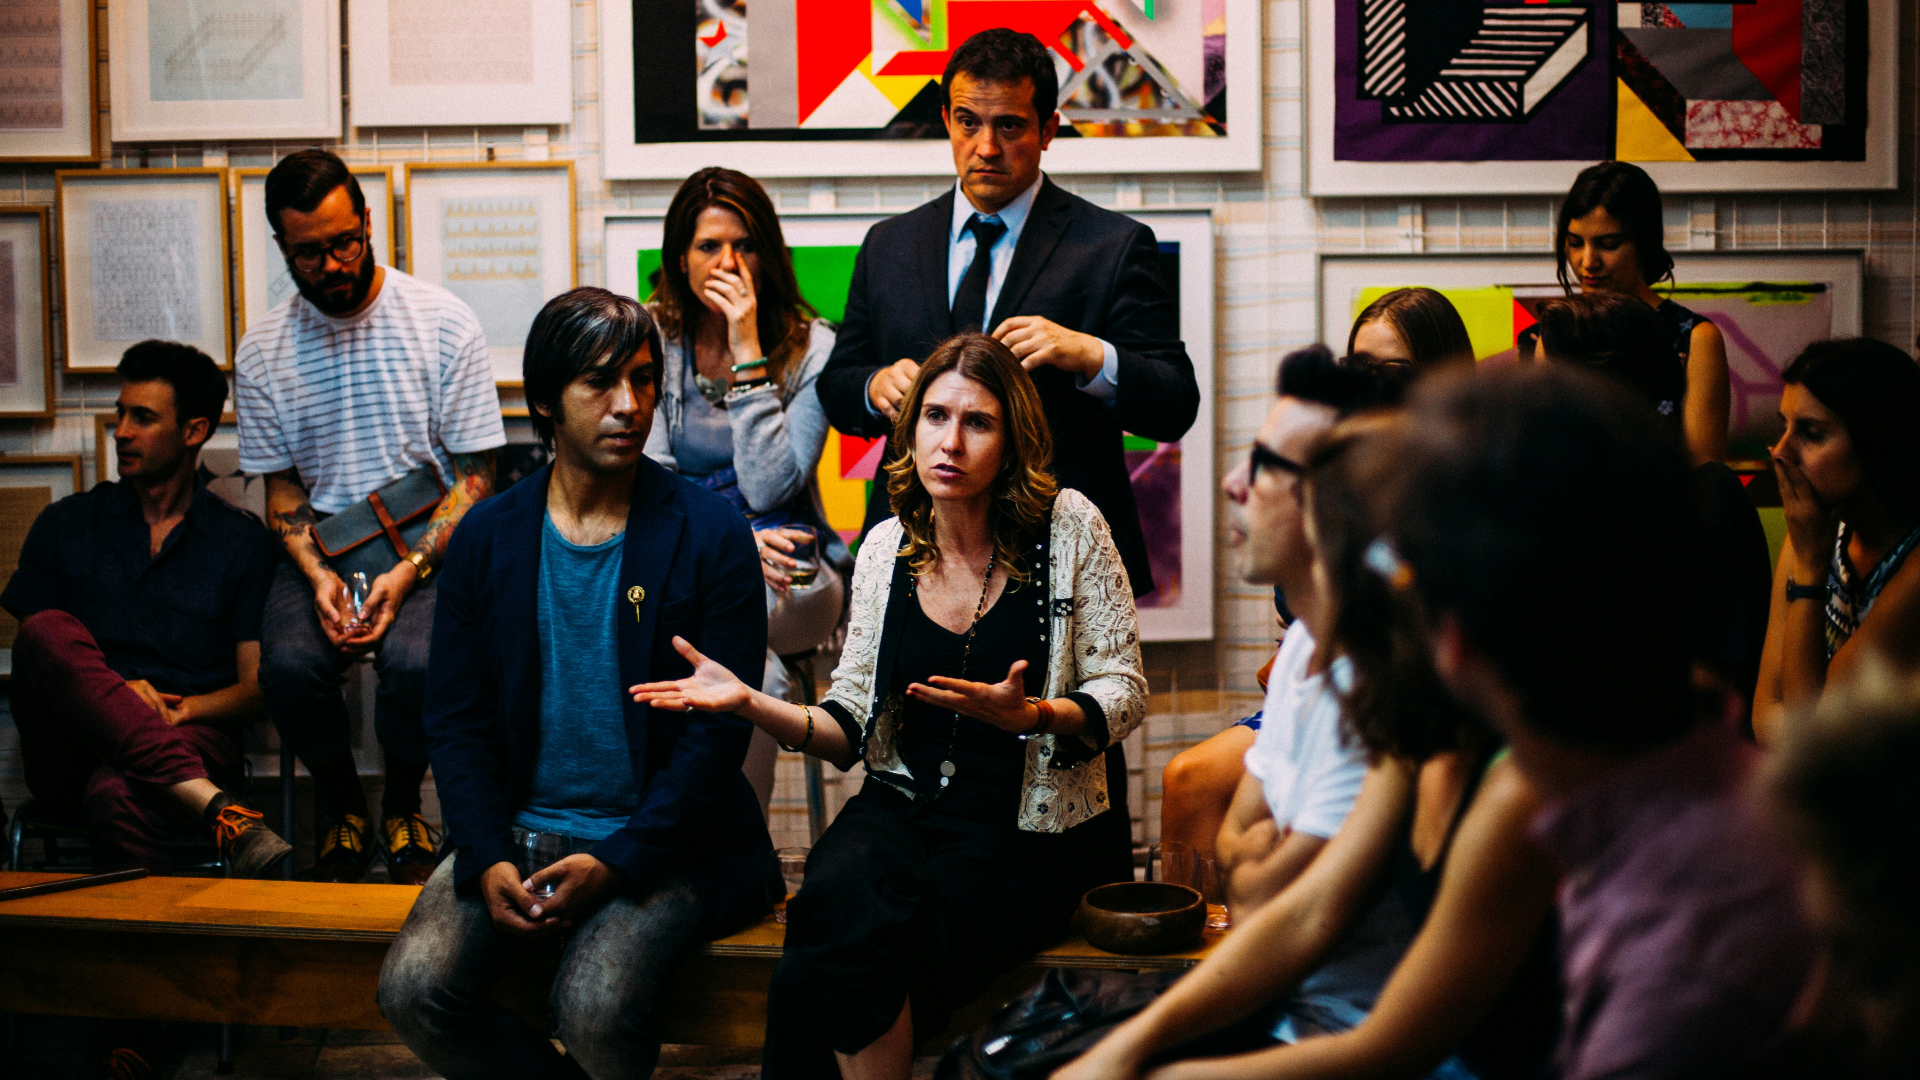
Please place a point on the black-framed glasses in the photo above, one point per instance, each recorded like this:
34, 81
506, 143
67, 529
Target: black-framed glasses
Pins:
345, 249
1270, 460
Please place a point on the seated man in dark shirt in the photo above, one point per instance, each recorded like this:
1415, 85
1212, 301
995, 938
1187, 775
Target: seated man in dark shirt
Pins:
139, 644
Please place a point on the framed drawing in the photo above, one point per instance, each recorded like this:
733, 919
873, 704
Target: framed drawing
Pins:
143, 254
1768, 304
420, 63
1411, 98
1174, 489
502, 236
26, 314
1145, 85
224, 69
29, 483
260, 273
47, 106
219, 463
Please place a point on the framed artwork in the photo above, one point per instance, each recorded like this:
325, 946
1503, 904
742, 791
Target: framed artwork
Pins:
1145, 85
261, 271
425, 62
29, 483
502, 236
219, 463
26, 314
143, 254
47, 106
224, 69
1768, 305
1174, 490
1458, 98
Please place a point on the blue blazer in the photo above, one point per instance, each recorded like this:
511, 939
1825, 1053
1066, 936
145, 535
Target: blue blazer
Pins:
694, 556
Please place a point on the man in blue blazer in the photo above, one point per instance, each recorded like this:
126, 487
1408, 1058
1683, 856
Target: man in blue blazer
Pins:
555, 596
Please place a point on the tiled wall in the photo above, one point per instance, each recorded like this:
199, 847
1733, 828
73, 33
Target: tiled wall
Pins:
1268, 235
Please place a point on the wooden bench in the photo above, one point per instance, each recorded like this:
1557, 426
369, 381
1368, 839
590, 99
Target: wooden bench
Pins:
298, 954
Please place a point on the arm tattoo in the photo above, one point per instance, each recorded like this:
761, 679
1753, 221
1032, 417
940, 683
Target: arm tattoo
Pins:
472, 482
292, 522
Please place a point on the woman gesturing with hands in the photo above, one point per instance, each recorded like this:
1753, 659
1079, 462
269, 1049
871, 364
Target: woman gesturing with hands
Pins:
991, 669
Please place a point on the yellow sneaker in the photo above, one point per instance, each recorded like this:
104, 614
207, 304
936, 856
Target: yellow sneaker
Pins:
412, 849
345, 854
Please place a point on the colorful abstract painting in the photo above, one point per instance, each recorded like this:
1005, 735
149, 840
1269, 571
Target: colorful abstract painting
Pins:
1582, 80
1765, 324
729, 70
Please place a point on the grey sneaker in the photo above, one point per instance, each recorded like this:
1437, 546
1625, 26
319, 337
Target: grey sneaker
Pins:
250, 849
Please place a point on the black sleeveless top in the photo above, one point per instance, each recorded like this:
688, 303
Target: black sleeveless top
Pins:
989, 763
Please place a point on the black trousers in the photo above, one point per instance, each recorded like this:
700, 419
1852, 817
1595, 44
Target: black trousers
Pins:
898, 905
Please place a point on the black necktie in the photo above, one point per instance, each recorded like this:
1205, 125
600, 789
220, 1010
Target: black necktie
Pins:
970, 301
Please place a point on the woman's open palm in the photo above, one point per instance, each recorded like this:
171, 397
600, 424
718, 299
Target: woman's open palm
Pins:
1002, 704
711, 687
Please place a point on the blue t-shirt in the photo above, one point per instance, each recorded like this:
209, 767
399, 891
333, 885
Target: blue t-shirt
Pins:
583, 781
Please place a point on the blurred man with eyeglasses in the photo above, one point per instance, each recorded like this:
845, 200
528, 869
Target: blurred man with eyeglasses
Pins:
366, 376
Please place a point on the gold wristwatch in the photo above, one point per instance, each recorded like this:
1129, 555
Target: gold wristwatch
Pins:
422, 566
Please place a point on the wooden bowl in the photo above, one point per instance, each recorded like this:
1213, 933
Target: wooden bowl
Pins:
1142, 918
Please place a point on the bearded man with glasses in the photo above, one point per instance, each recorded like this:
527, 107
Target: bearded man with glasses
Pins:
367, 377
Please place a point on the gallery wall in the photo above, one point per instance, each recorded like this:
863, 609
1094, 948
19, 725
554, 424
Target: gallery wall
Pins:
1268, 239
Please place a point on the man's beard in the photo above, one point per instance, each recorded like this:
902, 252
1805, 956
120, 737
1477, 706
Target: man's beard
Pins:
316, 294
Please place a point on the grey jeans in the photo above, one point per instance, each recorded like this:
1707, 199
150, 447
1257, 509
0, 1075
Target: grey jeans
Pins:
433, 986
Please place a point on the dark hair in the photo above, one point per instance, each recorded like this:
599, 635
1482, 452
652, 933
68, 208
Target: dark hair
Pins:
1842, 785
1547, 512
1875, 390
580, 331
1621, 338
1396, 703
1023, 492
1346, 386
303, 179
785, 318
1427, 321
1630, 195
199, 389
1006, 56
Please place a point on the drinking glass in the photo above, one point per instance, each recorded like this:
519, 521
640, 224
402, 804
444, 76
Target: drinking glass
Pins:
1174, 861
539, 850
357, 589
805, 554
1213, 889
793, 868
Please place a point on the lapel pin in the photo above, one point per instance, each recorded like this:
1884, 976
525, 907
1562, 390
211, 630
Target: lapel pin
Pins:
634, 596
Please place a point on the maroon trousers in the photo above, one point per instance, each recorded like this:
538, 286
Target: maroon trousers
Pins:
93, 750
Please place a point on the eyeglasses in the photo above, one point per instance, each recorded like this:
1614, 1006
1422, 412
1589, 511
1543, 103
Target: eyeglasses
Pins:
1265, 459
345, 249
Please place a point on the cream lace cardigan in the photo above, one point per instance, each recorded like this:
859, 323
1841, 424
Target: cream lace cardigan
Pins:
1094, 650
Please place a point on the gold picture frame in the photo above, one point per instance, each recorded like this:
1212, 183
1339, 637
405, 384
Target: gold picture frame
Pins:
29, 273
79, 29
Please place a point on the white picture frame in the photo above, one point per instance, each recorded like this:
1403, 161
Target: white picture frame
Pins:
1754, 362
26, 314
52, 114
186, 70
1328, 177
522, 48
1240, 150
260, 271
143, 254
537, 195
1190, 616
60, 475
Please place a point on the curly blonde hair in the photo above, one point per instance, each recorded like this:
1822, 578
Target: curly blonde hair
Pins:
1021, 496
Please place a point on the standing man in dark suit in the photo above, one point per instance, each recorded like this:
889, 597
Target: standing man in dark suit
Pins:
1074, 290
555, 597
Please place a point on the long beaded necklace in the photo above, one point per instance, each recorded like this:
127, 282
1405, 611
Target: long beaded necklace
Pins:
947, 768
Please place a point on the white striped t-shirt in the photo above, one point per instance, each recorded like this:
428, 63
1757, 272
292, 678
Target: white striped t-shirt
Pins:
358, 402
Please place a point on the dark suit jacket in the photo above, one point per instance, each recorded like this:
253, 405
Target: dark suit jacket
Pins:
695, 557
1088, 269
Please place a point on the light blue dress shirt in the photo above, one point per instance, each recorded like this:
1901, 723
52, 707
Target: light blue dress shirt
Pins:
961, 246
